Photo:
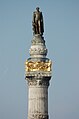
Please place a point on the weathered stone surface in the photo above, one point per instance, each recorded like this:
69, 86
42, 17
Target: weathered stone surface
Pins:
38, 100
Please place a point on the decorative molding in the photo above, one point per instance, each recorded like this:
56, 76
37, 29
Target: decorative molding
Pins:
38, 116
38, 51
38, 66
38, 83
38, 46
38, 75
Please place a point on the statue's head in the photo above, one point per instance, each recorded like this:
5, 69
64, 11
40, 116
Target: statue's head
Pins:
37, 8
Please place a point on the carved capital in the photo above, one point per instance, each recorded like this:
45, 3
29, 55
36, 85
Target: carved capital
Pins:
38, 83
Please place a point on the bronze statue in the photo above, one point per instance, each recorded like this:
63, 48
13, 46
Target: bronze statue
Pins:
37, 23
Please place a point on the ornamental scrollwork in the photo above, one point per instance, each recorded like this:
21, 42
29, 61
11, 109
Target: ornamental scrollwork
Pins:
37, 66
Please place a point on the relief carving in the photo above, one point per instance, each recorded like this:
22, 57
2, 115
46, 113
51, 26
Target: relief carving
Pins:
38, 116
39, 51
38, 66
38, 83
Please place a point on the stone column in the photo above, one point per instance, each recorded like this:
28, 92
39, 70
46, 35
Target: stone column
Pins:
38, 99
38, 75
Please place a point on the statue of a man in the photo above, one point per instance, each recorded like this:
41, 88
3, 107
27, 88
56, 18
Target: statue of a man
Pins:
37, 22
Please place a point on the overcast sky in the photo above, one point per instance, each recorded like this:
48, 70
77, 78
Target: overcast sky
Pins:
61, 24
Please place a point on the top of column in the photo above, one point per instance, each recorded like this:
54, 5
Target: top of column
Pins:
38, 47
38, 66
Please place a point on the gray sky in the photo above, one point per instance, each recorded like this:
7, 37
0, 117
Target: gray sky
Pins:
61, 23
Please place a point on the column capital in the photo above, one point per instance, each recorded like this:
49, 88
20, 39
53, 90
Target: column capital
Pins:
38, 83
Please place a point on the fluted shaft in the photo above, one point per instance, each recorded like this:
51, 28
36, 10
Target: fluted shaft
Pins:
38, 100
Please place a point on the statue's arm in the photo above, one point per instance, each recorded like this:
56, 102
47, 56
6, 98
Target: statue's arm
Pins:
42, 23
33, 21
41, 17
